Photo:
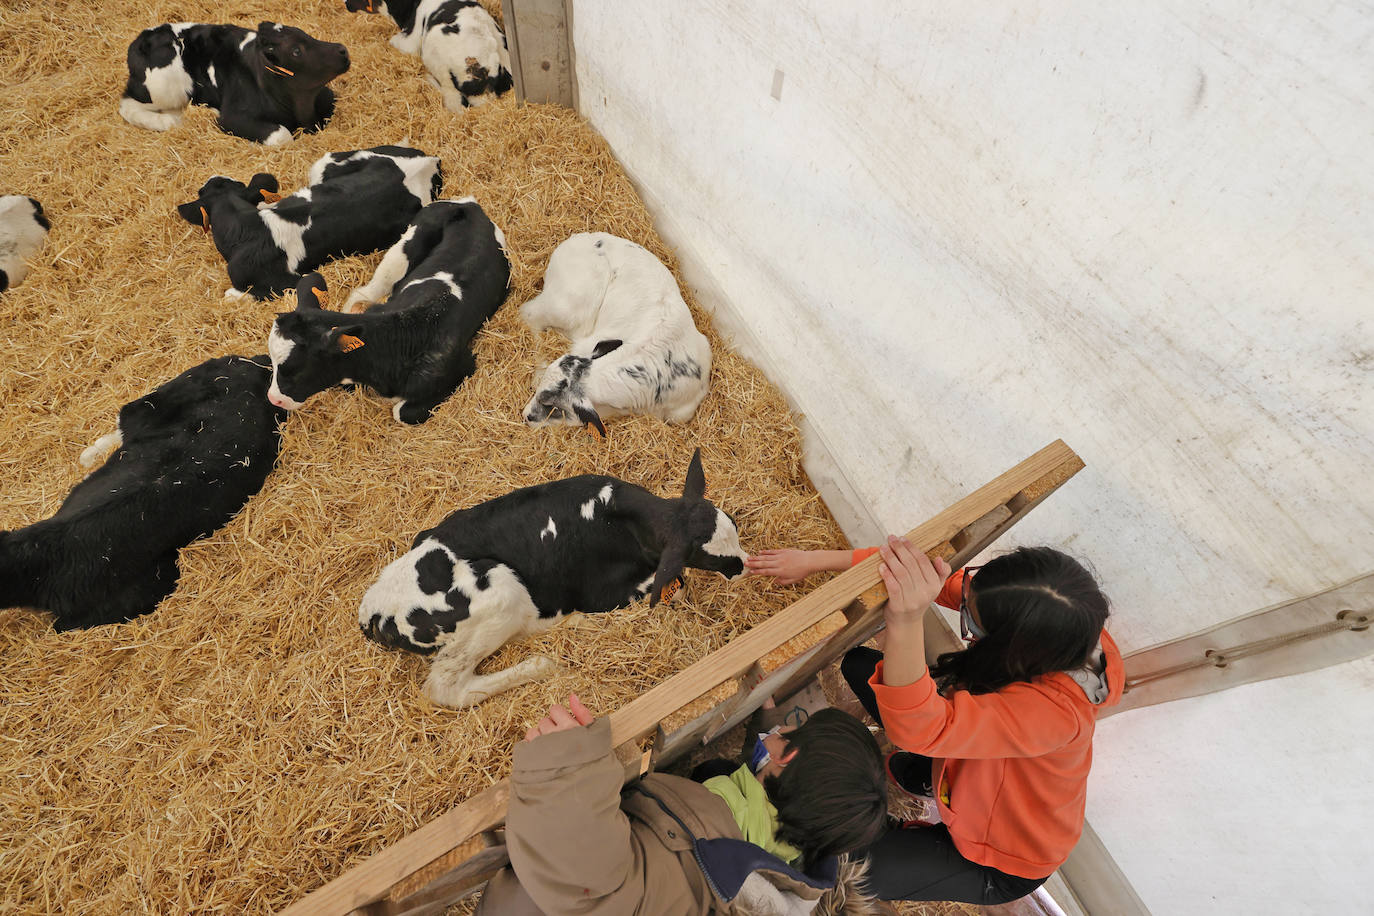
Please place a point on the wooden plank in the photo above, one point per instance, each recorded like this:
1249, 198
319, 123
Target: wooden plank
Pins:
1029, 482
458, 883
440, 866
1288, 638
375, 876
513, 46
540, 43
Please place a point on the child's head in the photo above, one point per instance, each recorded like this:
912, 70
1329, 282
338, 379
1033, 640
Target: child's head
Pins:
832, 794
1040, 611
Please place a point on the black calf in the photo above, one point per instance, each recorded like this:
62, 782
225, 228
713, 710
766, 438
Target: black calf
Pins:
357, 202
189, 455
446, 276
266, 84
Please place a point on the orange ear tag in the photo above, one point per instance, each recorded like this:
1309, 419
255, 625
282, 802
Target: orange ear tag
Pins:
270, 196
670, 590
322, 296
204, 220
348, 343
591, 428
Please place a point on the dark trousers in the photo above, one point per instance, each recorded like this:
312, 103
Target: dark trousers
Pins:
922, 863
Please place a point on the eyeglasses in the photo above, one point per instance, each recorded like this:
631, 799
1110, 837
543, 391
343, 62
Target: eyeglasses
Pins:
968, 627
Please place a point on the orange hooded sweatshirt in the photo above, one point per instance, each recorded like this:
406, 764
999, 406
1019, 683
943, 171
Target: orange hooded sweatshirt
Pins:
1010, 767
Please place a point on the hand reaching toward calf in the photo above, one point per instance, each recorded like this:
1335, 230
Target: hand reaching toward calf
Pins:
561, 718
787, 567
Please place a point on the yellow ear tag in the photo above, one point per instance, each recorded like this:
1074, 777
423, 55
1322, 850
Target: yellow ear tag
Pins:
204, 220
322, 296
270, 196
348, 343
670, 590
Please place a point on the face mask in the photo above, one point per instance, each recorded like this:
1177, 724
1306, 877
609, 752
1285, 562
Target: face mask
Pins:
759, 757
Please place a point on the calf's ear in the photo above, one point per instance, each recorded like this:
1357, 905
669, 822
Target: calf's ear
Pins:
605, 346
263, 184
695, 488
190, 212
346, 339
587, 414
669, 571
311, 292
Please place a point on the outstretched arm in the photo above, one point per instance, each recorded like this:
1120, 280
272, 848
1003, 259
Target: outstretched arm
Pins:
789, 566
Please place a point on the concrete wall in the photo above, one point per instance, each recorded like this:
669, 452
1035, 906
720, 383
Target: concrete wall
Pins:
955, 234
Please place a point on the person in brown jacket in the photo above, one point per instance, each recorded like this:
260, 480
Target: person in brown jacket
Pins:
668, 846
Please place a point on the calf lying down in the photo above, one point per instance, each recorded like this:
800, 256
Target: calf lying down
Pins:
634, 346
521, 562
446, 276
264, 85
461, 45
187, 457
357, 202
23, 227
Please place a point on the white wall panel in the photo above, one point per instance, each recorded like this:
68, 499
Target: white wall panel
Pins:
957, 234
1252, 801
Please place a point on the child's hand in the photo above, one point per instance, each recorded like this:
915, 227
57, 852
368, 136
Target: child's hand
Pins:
785, 566
560, 719
912, 580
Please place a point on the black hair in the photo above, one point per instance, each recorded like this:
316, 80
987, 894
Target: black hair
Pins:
1042, 612
832, 797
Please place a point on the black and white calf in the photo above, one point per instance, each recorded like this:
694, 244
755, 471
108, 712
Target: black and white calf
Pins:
634, 346
357, 202
23, 227
188, 456
265, 84
461, 45
518, 563
445, 277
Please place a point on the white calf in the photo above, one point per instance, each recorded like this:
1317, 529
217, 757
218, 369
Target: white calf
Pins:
634, 346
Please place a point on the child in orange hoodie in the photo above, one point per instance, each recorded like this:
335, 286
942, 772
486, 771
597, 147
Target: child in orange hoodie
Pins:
999, 733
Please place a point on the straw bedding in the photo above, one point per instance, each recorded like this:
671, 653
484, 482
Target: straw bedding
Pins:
243, 744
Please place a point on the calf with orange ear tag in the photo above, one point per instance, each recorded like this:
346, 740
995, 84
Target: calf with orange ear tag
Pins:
356, 202
446, 275
265, 85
